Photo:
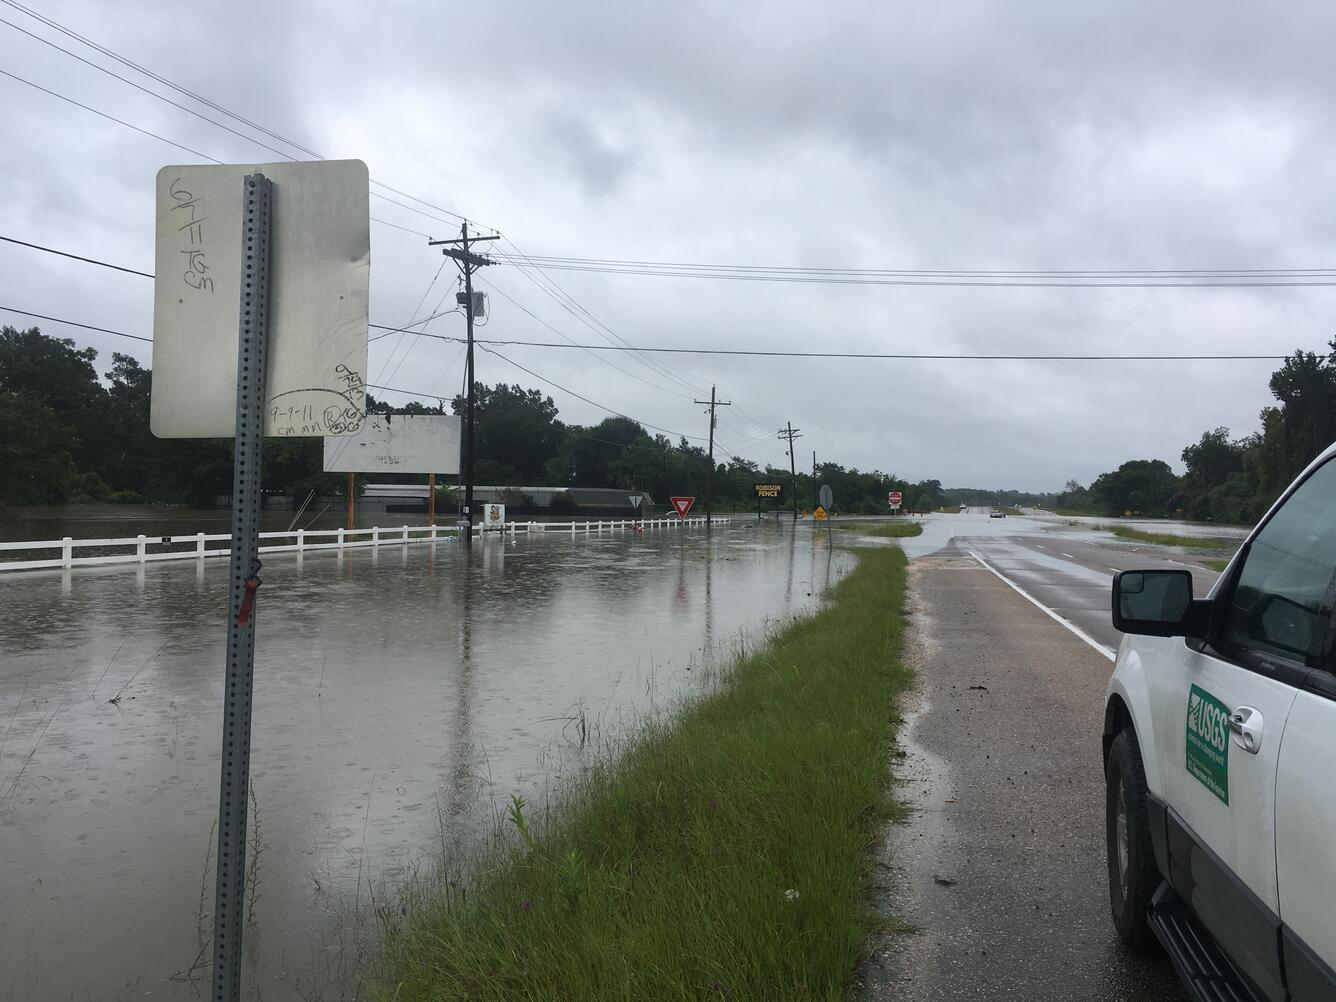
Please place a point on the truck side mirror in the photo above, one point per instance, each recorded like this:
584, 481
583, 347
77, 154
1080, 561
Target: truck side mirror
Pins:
1158, 604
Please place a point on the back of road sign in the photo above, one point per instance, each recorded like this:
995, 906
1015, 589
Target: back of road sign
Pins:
398, 443
317, 344
827, 497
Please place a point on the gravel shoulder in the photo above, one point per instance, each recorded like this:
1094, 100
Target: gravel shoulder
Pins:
995, 886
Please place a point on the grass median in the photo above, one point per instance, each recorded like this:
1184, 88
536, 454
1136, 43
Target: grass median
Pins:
722, 855
1167, 539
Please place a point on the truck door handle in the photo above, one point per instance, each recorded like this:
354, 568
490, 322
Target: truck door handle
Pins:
1245, 727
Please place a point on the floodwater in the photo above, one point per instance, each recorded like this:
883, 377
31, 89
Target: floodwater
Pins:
400, 695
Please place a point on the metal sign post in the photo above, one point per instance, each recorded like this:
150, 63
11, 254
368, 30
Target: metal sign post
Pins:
229, 915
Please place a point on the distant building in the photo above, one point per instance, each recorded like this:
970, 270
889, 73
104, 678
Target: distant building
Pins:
586, 500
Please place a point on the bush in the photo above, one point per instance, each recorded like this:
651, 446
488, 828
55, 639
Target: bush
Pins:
562, 504
125, 497
88, 488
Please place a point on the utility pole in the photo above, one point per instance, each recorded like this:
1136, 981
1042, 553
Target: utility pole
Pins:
815, 495
709, 493
789, 432
468, 263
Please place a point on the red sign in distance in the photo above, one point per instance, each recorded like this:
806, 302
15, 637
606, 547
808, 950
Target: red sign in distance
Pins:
682, 505
893, 498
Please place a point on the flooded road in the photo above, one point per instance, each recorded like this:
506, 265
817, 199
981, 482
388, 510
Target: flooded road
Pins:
400, 693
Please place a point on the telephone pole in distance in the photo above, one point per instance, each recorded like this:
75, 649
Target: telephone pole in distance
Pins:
468, 263
789, 432
709, 491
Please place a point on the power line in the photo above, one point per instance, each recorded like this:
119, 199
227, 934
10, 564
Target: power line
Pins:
191, 150
572, 306
561, 334
592, 403
928, 272
72, 323
903, 356
76, 257
130, 64
1168, 282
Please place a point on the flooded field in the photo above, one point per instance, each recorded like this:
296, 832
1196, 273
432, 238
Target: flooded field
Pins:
400, 693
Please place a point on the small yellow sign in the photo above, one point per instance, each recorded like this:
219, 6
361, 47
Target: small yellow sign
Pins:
819, 514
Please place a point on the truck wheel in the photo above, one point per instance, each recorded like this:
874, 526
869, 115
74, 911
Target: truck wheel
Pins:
1133, 876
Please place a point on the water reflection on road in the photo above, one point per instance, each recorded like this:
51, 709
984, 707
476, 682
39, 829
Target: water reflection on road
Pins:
396, 691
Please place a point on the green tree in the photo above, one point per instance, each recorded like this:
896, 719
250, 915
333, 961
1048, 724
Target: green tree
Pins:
1141, 486
35, 449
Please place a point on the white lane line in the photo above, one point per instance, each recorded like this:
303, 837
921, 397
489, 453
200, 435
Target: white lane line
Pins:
1069, 556
1116, 570
1041, 546
1108, 652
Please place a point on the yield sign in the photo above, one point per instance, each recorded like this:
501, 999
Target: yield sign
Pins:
682, 505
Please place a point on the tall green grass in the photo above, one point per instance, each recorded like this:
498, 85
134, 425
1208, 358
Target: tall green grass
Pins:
895, 530
723, 855
1167, 539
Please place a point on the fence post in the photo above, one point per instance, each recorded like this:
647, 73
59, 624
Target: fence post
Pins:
66, 551
340, 539
405, 534
375, 535
141, 547
199, 546
301, 540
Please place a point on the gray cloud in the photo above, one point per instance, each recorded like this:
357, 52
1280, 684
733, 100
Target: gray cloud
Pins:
970, 135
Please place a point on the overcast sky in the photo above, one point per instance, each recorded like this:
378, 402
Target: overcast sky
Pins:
939, 136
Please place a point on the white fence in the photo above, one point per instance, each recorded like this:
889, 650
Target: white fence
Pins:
195, 547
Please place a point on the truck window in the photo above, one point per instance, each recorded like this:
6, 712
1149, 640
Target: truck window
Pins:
1276, 608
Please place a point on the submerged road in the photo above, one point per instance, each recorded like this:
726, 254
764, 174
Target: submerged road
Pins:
995, 886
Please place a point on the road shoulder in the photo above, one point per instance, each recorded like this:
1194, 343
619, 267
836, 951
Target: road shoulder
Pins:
995, 886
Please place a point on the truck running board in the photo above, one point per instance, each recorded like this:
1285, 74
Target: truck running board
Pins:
1207, 973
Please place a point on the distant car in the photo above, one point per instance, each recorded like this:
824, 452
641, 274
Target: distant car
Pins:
995, 513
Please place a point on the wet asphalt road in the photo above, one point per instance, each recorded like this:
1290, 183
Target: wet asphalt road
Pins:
995, 886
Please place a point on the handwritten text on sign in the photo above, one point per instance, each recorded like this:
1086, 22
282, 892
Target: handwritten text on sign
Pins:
319, 262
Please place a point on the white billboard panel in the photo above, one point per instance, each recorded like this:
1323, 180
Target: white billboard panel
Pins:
398, 443
317, 347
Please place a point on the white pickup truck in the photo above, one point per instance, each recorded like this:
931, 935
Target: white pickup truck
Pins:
1220, 760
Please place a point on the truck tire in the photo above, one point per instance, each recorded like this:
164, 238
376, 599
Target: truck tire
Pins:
1133, 876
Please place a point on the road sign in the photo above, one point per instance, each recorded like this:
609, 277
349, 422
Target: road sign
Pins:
827, 497
819, 514
893, 499
682, 505
768, 490
398, 443
315, 382
636, 499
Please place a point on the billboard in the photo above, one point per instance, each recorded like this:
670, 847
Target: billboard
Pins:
398, 443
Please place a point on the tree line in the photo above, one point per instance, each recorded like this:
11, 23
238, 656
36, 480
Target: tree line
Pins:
75, 437
1228, 479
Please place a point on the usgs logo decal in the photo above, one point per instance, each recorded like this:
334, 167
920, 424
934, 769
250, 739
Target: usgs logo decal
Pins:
1208, 742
